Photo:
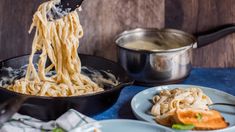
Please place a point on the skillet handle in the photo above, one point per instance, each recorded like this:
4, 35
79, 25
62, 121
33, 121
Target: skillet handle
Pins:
10, 107
122, 85
209, 38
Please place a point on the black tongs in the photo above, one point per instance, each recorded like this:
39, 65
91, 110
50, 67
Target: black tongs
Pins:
63, 8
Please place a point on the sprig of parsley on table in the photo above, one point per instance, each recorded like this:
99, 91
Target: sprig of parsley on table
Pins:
58, 130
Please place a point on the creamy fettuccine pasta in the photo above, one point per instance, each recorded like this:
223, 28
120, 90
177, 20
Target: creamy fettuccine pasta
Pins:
170, 100
58, 41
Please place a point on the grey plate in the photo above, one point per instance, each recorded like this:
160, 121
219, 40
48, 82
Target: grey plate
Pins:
119, 125
141, 104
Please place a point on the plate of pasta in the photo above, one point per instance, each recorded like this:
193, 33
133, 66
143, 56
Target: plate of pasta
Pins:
185, 107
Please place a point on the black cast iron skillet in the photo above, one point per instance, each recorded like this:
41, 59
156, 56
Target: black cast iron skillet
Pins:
50, 108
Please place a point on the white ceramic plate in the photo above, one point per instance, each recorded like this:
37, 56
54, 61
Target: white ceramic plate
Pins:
141, 104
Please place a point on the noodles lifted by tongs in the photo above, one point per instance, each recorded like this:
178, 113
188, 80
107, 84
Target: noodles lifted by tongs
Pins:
58, 40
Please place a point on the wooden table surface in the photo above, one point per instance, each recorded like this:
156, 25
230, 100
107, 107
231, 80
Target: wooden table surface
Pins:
104, 19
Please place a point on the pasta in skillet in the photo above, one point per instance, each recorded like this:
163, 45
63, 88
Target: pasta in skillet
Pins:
58, 41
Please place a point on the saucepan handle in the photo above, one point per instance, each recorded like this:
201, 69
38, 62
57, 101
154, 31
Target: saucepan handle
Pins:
10, 107
209, 38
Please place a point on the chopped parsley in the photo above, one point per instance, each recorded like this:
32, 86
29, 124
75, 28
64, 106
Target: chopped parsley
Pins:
199, 117
183, 126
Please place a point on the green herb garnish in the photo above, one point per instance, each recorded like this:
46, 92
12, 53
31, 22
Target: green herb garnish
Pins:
58, 130
183, 126
199, 117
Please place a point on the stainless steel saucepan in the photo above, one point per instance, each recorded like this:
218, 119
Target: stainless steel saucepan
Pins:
168, 60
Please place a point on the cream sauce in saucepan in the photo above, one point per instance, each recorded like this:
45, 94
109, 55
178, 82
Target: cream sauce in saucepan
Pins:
143, 45
148, 45
159, 42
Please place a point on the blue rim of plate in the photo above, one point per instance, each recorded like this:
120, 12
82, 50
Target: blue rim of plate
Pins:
90, 126
141, 115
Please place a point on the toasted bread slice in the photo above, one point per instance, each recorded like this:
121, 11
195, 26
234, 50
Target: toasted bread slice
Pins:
202, 120
167, 120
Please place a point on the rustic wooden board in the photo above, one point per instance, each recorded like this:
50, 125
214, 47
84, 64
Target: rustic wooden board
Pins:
104, 19
15, 20
101, 20
197, 16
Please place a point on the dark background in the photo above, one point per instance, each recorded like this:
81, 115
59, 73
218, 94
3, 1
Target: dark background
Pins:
103, 19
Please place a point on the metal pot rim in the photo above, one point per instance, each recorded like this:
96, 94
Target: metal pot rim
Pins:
136, 30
